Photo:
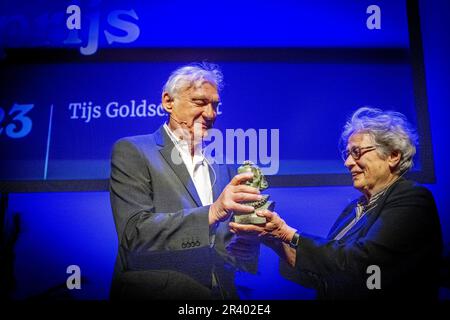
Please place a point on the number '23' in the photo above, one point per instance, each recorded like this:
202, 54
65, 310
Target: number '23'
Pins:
11, 129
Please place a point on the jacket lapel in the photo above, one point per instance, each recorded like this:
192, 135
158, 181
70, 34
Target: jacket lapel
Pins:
216, 177
163, 140
365, 221
369, 218
343, 221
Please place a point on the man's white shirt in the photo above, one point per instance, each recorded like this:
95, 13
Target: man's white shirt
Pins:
197, 167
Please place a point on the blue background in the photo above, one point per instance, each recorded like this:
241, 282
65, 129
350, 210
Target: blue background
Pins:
316, 93
61, 229
303, 100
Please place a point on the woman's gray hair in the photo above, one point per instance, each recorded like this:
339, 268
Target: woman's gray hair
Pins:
389, 130
193, 75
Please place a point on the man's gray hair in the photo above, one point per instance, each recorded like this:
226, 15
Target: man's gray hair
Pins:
193, 75
389, 130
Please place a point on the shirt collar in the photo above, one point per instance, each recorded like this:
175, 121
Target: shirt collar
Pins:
373, 199
183, 146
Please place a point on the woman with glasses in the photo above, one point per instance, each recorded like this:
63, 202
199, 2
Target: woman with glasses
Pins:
387, 243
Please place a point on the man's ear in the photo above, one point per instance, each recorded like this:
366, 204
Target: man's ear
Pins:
394, 159
167, 102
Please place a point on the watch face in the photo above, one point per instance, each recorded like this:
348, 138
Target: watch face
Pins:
294, 241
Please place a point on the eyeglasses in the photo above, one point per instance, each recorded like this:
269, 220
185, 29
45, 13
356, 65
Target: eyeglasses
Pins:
356, 152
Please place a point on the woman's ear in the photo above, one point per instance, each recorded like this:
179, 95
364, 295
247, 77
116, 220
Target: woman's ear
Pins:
167, 102
394, 159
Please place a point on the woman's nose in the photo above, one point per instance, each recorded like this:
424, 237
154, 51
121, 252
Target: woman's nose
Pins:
349, 162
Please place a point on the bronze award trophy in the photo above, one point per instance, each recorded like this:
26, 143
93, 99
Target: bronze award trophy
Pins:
259, 182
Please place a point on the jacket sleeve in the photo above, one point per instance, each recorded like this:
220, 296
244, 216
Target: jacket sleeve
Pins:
138, 225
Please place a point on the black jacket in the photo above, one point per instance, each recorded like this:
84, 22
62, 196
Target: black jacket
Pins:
401, 235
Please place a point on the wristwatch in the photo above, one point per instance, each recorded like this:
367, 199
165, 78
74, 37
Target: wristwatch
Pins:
295, 240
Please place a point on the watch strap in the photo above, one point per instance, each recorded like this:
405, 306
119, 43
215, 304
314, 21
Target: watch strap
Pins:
295, 240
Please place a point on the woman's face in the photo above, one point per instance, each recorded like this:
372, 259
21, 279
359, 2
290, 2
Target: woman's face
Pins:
370, 172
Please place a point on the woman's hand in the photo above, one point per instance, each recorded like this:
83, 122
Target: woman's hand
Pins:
275, 228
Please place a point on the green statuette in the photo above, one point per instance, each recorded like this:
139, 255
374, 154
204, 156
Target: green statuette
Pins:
259, 182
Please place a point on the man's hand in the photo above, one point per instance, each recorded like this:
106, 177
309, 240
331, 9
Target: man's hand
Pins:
230, 197
244, 247
274, 229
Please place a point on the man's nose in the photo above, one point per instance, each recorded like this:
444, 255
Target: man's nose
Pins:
209, 112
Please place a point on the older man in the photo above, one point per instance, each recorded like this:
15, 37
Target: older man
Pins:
169, 202
387, 243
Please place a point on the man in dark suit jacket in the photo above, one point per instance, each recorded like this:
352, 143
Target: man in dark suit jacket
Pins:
172, 237
388, 243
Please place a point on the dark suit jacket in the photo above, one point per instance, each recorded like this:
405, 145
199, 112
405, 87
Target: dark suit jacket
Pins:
402, 236
164, 236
